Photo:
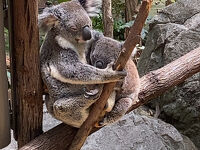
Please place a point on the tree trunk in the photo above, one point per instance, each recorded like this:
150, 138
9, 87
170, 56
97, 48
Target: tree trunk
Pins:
26, 80
107, 18
152, 85
130, 10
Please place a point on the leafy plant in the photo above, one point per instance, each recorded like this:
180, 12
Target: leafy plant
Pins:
119, 30
97, 22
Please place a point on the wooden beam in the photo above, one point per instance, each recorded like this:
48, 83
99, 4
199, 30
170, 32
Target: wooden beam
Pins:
26, 80
153, 84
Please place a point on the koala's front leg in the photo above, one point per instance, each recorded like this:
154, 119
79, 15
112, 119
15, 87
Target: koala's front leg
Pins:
80, 73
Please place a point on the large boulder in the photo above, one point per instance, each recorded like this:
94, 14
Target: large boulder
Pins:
136, 132
174, 32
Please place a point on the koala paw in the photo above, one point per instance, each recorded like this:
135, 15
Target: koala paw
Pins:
121, 74
110, 66
115, 75
93, 93
119, 110
105, 121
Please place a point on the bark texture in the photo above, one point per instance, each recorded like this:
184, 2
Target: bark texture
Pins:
107, 18
26, 81
130, 10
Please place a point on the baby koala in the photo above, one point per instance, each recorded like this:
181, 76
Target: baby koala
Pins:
101, 52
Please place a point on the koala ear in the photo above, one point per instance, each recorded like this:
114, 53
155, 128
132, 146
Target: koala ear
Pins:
46, 21
92, 7
96, 35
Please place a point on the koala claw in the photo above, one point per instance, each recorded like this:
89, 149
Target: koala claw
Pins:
106, 106
122, 74
99, 124
92, 93
102, 122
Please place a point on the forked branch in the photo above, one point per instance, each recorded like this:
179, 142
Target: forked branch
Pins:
130, 43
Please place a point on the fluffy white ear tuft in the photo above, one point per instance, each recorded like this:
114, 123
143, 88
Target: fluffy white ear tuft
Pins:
92, 7
46, 21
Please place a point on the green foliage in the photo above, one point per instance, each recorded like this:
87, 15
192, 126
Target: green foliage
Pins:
126, 25
60, 1
118, 32
97, 23
6, 40
118, 29
118, 7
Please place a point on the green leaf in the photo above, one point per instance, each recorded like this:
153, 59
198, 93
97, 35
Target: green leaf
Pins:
126, 25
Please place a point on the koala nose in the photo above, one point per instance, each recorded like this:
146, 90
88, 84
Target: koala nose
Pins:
87, 35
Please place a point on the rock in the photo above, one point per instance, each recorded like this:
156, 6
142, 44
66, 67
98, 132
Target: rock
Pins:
136, 132
175, 32
177, 12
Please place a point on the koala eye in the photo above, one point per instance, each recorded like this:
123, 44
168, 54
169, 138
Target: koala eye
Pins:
99, 64
73, 28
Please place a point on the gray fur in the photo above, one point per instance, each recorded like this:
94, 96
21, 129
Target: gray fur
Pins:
103, 51
63, 64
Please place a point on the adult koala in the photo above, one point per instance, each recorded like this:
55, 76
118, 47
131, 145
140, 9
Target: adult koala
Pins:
63, 62
101, 52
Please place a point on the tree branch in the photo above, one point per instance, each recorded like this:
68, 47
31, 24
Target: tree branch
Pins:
157, 82
152, 85
125, 54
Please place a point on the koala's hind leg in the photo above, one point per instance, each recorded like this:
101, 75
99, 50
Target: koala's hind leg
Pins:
72, 111
120, 108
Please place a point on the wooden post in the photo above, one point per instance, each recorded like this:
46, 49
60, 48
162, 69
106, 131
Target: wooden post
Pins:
26, 80
4, 115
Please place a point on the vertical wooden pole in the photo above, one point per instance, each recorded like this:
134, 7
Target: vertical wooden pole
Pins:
4, 114
26, 81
